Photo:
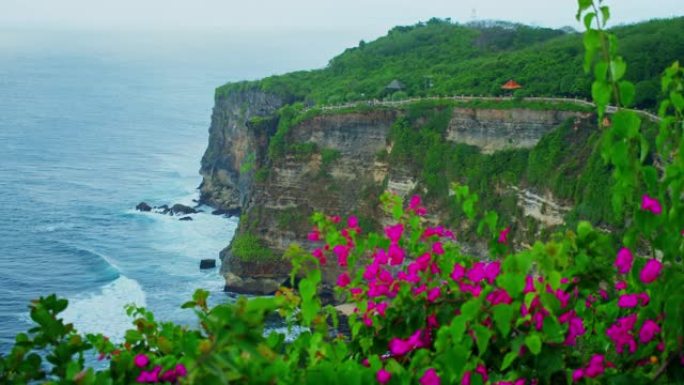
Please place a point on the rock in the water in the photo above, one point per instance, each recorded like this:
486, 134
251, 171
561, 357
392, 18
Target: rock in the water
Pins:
182, 209
185, 219
143, 206
207, 264
163, 209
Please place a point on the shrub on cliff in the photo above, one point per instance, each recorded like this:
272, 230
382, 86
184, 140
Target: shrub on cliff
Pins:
569, 310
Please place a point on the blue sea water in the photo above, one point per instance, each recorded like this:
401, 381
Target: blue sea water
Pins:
90, 126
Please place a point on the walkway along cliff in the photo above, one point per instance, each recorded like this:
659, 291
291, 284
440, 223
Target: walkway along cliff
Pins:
339, 160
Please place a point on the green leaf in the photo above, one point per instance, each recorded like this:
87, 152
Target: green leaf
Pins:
482, 335
601, 71
458, 326
605, 13
470, 309
627, 92
553, 330
588, 18
508, 360
503, 314
533, 342
618, 67
600, 91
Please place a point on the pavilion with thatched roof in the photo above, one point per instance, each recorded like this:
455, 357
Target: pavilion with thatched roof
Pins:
394, 86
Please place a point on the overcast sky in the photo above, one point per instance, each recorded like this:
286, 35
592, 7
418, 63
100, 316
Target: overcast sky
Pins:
366, 17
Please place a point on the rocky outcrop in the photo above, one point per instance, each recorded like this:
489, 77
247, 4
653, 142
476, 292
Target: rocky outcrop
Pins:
226, 184
545, 209
493, 130
277, 205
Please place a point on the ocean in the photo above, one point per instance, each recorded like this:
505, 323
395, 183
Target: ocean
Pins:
90, 125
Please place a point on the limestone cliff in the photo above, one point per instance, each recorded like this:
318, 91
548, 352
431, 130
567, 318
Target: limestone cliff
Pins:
343, 174
232, 144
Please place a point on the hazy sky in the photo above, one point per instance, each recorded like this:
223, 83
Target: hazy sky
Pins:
365, 17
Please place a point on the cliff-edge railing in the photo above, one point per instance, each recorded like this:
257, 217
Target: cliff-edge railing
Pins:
397, 103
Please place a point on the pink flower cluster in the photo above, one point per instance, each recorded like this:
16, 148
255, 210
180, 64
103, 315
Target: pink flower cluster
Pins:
595, 368
649, 273
156, 374
651, 204
399, 347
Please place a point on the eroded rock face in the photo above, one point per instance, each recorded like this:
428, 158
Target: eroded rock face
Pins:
226, 184
492, 130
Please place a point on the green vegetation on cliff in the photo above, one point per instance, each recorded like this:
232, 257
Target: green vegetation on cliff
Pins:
439, 57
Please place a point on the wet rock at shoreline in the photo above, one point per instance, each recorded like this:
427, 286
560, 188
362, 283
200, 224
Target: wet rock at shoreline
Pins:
144, 207
207, 264
185, 219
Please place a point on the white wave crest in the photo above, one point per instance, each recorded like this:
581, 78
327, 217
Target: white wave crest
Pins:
104, 312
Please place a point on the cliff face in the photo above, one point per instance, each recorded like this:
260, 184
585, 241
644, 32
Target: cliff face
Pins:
232, 145
493, 130
341, 177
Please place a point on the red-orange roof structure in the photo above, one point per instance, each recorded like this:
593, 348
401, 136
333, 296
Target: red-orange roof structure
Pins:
511, 85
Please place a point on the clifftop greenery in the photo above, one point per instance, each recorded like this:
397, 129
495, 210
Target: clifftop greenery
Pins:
439, 57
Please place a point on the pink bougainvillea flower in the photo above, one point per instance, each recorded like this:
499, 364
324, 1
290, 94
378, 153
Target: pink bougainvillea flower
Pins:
343, 280
353, 222
430, 377
648, 330
624, 260
481, 370
399, 347
476, 273
458, 273
396, 255
563, 297
394, 233
371, 271
577, 374
414, 202
603, 294
595, 367
380, 256
644, 299
628, 300
503, 235
620, 285
475, 290
433, 294
168, 376
385, 276
141, 360
651, 204
149, 376
529, 285
181, 370
432, 321
419, 289
335, 219
466, 380
342, 253
314, 235
621, 333
383, 376
499, 296
437, 248
492, 271
651, 271
575, 327
318, 254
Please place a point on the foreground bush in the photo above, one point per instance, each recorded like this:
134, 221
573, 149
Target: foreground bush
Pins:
573, 309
